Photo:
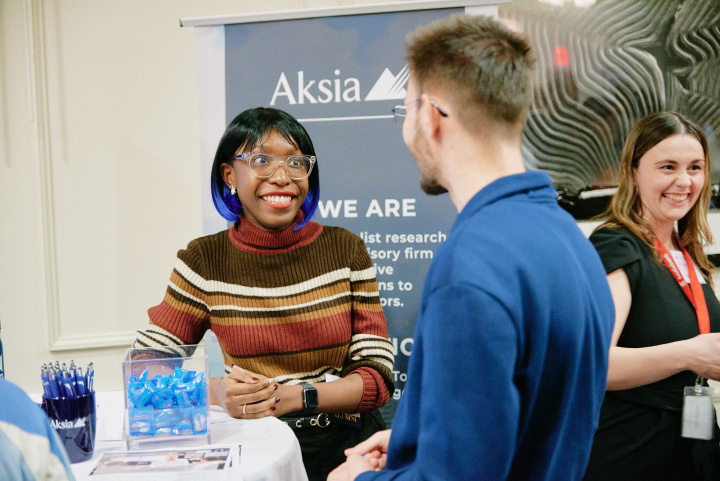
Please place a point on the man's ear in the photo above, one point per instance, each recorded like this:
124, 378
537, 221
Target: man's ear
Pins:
431, 118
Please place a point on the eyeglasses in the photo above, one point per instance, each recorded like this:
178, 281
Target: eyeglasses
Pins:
400, 111
263, 166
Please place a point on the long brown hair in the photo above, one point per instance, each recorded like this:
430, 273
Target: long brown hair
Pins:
625, 209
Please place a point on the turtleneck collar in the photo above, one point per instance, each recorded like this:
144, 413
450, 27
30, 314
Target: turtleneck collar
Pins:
250, 238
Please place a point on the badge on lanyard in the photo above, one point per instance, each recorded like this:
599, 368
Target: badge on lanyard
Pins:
698, 415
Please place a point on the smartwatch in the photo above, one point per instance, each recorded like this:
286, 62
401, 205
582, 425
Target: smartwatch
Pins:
310, 399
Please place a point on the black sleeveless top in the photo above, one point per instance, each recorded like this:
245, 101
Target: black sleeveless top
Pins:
660, 312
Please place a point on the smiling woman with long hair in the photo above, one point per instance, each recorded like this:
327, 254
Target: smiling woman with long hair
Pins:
667, 317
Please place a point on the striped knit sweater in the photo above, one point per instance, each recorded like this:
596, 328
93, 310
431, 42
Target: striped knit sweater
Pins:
291, 305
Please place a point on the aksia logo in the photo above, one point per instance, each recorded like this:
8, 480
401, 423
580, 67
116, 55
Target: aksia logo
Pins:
387, 87
78, 423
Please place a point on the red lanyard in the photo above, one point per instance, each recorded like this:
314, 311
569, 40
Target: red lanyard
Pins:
693, 291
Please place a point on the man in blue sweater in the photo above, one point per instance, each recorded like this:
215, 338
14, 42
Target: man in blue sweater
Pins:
510, 357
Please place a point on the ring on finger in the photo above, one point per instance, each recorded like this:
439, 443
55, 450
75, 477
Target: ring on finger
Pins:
244, 406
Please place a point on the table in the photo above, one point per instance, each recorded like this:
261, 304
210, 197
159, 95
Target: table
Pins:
270, 451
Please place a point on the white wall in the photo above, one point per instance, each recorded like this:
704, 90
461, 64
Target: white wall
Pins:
99, 171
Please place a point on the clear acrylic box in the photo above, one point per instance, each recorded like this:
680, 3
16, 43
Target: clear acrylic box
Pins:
166, 397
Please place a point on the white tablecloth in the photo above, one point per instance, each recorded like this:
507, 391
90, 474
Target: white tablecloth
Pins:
270, 450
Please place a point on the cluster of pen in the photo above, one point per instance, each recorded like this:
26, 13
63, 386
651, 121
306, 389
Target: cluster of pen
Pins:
66, 382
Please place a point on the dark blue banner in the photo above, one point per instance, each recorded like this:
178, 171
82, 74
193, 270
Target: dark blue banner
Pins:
341, 77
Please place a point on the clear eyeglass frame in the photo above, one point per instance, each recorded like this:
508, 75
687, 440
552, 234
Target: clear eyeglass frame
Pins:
400, 112
297, 167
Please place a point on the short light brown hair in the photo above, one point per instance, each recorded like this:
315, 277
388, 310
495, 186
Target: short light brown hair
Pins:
487, 67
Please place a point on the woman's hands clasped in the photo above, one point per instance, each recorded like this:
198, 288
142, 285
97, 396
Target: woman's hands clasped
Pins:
248, 395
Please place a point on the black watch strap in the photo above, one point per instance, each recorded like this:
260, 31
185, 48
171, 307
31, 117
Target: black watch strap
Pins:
310, 398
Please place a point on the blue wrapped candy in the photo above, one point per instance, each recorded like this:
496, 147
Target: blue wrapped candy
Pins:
167, 405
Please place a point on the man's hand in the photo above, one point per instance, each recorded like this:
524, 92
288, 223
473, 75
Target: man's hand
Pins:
373, 449
369, 455
350, 469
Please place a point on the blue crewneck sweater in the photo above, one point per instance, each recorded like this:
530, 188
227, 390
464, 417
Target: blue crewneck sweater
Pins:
510, 354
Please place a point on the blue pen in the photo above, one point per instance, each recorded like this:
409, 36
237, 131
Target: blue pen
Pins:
64, 382
45, 382
52, 383
73, 377
67, 384
80, 382
90, 373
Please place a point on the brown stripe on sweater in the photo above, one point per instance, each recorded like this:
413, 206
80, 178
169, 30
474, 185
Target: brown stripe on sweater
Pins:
270, 318
184, 304
274, 365
185, 285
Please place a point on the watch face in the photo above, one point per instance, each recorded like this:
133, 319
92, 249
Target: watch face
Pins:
310, 396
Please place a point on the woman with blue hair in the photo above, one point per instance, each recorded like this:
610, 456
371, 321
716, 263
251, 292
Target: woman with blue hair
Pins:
294, 304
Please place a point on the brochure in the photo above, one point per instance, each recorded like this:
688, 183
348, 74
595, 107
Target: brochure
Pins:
194, 460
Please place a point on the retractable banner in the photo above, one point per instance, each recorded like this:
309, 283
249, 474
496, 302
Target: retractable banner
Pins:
341, 76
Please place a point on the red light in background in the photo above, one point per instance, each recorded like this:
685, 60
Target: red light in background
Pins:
561, 56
